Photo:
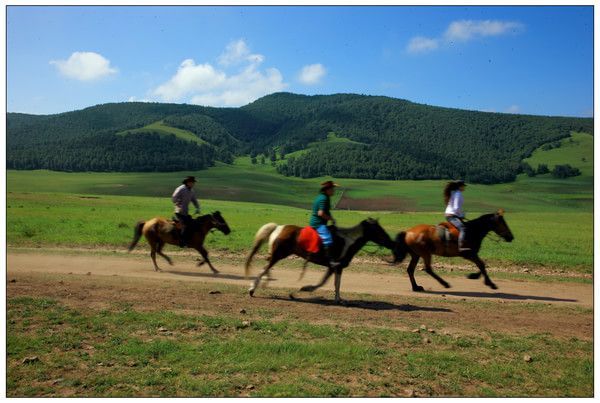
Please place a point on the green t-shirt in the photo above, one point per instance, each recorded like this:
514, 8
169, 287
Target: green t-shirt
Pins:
321, 202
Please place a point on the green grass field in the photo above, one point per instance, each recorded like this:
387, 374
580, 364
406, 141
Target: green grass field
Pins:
122, 351
38, 219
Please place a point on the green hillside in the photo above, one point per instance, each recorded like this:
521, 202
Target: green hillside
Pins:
576, 150
375, 138
164, 130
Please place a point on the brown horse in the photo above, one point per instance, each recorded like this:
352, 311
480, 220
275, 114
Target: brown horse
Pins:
423, 240
160, 231
346, 243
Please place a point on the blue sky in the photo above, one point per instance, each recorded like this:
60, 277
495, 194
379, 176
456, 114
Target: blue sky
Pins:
531, 60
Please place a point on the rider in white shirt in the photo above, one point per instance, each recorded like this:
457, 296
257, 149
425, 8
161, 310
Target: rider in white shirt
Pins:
182, 196
454, 212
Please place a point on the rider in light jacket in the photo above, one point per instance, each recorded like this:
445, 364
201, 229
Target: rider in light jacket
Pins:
182, 196
453, 196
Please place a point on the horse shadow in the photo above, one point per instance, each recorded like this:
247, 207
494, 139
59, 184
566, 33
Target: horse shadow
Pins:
368, 305
499, 295
211, 275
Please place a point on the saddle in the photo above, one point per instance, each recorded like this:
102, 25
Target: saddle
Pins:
447, 232
178, 225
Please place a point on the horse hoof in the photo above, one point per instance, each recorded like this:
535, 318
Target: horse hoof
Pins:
251, 292
307, 288
216, 271
292, 296
493, 286
446, 285
418, 288
473, 276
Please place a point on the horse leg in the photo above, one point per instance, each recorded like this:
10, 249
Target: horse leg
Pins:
472, 276
311, 288
153, 256
486, 279
258, 278
411, 272
429, 270
338, 281
159, 248
277, 254
303, 269
204, 254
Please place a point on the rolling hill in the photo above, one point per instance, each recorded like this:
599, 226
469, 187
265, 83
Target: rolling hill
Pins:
342, 135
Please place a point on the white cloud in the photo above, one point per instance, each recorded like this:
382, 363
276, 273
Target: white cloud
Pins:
190, 78
237, 52
203, 84
84, 66
420, 44
463, 31
513, 109
312, 74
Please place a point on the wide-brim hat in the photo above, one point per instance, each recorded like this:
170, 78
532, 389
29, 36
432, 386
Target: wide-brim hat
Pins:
328, 184
189, 179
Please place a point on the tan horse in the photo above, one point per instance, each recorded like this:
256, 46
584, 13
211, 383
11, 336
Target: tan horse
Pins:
422, 241
160, 231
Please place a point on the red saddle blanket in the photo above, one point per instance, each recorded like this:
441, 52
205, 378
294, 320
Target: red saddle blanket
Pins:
309, 239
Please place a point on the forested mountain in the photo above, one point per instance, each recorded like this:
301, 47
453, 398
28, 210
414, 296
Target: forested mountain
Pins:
398, 139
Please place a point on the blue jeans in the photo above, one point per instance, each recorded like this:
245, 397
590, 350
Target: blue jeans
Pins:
325, 235
460, 226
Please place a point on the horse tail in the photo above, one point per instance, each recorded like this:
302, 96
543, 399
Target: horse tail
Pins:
261, 235
137, 233
400, 248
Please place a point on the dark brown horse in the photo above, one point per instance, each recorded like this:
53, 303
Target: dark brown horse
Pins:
160, 231
347, 242
423, 240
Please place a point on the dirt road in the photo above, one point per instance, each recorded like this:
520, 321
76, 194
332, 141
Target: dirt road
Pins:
393, 284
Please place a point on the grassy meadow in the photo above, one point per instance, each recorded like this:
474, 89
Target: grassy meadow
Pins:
121, 351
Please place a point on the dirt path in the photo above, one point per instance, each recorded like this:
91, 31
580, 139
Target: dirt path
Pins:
393, 284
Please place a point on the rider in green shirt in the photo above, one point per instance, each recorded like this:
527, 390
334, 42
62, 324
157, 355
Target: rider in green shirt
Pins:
321, 214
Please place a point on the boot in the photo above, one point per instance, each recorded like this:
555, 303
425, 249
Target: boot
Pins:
463, 246
182, 239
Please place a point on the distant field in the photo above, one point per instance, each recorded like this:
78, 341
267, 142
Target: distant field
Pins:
161, 128
244, 181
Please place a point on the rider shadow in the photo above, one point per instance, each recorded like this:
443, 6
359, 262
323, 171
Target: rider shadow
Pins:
211, 275
499, 295
369, 305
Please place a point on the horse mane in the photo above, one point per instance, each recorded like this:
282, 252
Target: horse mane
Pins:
350, 230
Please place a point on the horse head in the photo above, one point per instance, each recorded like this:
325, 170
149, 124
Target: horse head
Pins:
500, 227
375, 232
219, 222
